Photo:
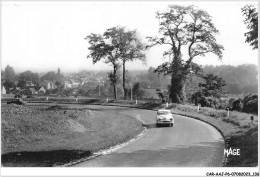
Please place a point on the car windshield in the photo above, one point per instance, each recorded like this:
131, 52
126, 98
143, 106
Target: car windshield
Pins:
163, 113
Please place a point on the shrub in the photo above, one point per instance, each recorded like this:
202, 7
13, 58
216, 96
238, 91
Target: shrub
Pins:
208, 102
250, 104
238, 105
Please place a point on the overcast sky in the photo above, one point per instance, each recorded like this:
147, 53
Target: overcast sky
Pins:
42, 36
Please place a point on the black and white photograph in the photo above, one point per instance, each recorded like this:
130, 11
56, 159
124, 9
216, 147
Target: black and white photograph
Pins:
129, 88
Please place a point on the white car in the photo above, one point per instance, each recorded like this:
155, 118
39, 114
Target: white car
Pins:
164, 117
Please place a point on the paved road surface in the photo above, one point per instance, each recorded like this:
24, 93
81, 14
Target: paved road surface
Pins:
189, 143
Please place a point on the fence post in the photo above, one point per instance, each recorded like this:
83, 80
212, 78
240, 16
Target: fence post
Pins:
198, 109
107, 99
252, 120
167, 104
227, 111
136, 101
47, 98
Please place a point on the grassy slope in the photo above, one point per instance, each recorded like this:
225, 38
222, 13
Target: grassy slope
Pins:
26, 129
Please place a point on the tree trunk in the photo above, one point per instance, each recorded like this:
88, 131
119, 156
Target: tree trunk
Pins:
125, 91
177, 93
115, 94
115, 81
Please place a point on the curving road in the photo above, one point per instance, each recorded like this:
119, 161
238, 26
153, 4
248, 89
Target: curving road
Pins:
189, 143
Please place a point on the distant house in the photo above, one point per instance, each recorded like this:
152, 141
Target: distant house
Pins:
74, 83
29, 84
3, 90
67, 85
41, 90
33, 91
47, 85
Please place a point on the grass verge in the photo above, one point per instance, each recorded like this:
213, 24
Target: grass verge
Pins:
237, 129
48, 136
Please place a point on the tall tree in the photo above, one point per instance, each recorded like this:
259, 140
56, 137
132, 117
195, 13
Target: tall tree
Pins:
180, 27
106, 47
251, 22
9, 73
29, 76
2, 76
131, 48
50, 76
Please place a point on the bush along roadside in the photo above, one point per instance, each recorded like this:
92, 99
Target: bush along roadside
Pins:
238, 130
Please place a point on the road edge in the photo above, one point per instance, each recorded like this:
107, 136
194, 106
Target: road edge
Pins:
224, 160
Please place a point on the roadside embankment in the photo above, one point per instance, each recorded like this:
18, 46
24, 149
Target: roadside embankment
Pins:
55, 135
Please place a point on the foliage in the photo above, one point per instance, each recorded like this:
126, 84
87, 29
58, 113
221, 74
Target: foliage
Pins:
108, 48
116, 43
83, 92
113, 78
239, 79
7, 78
2, 75
192, 86
250, 104
238, 105
29, 76
49, 76
27, 91
8, 85
184, 26
163, 94
209, 91
251, 22
230, 102
138, 93
48, 92
131, 48
9, 73
150, 79
213, 85
21, 84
